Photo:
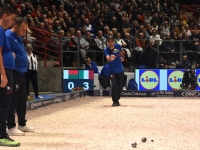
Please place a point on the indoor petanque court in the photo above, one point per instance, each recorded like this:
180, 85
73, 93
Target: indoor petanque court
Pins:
90, 123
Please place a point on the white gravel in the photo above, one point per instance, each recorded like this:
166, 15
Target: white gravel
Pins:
91, 123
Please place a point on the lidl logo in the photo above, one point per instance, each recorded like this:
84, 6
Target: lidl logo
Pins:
198, 80
149, 80
175, 79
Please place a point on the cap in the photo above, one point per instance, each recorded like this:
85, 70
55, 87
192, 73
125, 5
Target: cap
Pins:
110, 37
29, 46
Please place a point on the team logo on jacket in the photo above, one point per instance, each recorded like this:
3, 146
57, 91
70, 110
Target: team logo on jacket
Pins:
115, 50
149, 80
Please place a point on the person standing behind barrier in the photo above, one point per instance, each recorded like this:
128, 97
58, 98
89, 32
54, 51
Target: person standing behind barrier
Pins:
7, 63
114, 56
31, 74
19, 98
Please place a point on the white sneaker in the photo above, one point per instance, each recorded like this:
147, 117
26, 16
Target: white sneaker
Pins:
26, 128
39, 97
124, 88
15, 132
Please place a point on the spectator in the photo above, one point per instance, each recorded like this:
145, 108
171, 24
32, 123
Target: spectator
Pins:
149, 57
148, 16
84, 45
174, 21
92, 46
155, 38
167, 44
187, 30
106, 31
166, 28
77, 24
156, 19
114, 24
89, 26
56, 26
162, 63
141, 30
185, 64
90, 65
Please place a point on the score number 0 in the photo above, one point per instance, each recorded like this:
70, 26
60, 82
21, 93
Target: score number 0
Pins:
85, 85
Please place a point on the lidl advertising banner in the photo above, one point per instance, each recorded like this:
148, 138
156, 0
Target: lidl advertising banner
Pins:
198, 78
149, 79
161, 79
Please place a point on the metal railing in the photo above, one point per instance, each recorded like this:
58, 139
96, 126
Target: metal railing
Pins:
46, 46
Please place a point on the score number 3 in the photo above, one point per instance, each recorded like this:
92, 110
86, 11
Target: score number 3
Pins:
85, 85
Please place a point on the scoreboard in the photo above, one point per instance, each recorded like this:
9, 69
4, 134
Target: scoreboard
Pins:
77, 78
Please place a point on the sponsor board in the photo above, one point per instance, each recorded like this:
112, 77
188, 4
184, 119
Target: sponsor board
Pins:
67, 97
174, 79
48, 102
149, 80
96, 93
165, 93
76, 95
58, 100
190, 94
35, 104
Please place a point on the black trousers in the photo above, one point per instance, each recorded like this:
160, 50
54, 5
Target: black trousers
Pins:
117, 86
5, 99
18, 102
104, 81
124, 80
31, 75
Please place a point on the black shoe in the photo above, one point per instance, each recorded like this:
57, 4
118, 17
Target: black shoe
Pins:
114, 104
117, 104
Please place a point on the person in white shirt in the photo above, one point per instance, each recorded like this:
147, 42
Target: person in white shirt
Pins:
155, 38
31, 74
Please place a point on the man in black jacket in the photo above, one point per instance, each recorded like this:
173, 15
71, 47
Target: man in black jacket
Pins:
185, 64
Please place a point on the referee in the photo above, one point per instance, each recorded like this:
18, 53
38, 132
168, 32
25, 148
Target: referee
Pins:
115, 57
31, 74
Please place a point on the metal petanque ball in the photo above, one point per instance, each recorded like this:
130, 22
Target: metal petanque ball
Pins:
144, 139
134, 144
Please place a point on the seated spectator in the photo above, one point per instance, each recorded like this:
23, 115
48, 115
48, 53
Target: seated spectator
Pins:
77, 23
91, 65
174, 21
141, 30
155, 38
128, 26
100, 41
156, 19
114, 24
185, 64
89, 26
56, 26
162, 63
105, 31
92, 46
80, 41
166, 28
148, 17
149, 30
167, 44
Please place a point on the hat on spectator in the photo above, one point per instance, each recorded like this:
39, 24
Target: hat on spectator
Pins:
29, 46
110, 37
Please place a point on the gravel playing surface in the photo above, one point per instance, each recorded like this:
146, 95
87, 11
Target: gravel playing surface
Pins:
91, 123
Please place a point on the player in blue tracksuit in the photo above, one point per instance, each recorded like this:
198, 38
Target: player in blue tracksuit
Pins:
104, 78
115, 57
7, 63
19, 98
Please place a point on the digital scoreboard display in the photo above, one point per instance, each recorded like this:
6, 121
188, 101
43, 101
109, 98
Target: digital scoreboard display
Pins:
161, 79
77, 78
